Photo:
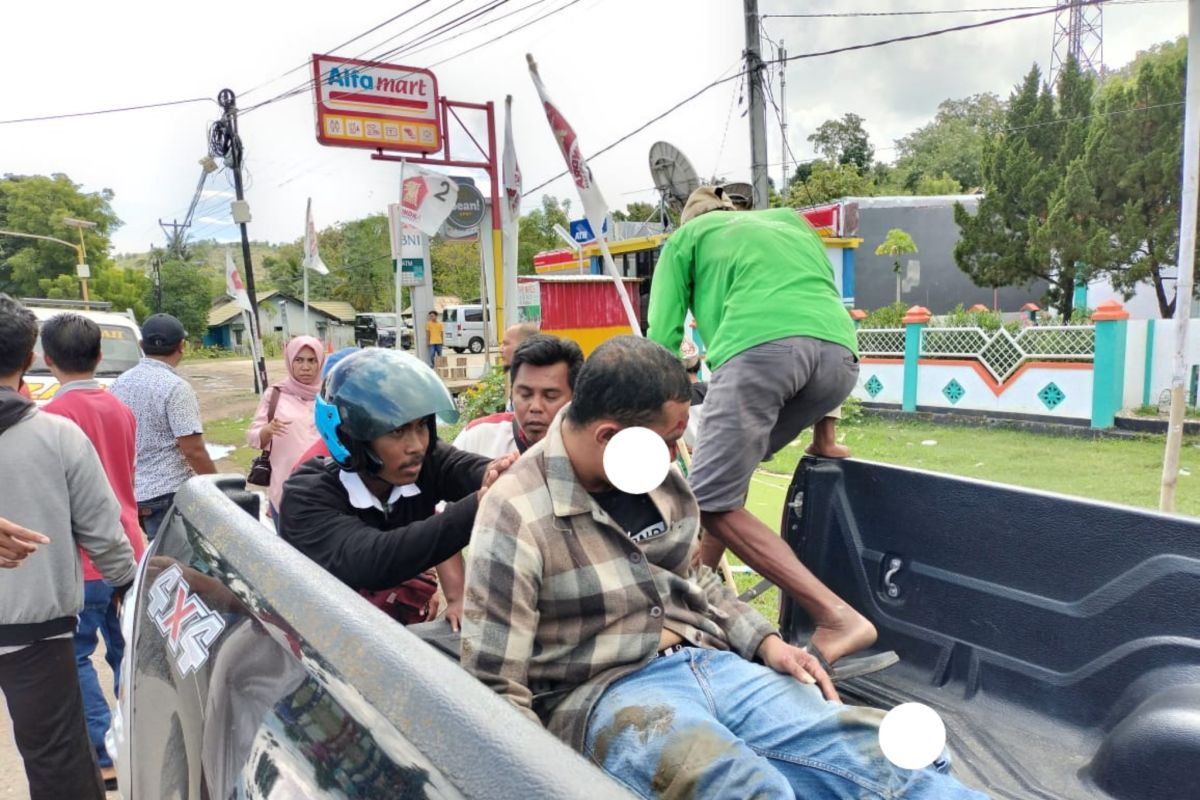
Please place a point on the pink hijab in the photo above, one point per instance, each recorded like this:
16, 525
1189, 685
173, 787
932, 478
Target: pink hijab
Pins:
304, 391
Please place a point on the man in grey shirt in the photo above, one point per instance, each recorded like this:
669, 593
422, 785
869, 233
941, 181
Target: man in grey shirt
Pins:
54, 485
170, 436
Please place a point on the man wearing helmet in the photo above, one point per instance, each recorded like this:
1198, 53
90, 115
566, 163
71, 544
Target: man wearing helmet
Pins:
367, 514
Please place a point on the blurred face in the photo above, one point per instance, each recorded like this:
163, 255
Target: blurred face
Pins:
305, 366
538, 394
670, 425
402, 452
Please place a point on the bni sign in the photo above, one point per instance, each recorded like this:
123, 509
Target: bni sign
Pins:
408, 249
375, 105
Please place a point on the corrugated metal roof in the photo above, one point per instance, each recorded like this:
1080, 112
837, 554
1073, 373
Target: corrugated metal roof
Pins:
335, 308
226, 310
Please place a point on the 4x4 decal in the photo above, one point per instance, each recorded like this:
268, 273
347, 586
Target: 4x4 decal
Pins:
184, 620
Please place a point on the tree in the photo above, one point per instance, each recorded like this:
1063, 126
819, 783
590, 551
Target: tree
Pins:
844, 141
952, 144
187, 294
456, 268
637, 212
897, 243
827, 182
1009, 240
943, 184
360, 255
37, 204
1130, 176
537, 231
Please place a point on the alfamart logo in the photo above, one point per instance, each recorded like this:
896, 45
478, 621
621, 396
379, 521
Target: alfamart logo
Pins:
184, 620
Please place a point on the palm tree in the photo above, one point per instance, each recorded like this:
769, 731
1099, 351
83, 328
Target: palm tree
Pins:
896, 244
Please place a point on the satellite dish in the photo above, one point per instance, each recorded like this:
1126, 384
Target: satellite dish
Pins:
673, 174
742, 195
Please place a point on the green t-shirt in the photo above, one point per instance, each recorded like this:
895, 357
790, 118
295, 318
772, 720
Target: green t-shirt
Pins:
749, 277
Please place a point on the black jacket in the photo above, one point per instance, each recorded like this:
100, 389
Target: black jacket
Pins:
372, 549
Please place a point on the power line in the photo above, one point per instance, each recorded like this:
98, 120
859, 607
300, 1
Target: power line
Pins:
352, 40
75, 114
945, 11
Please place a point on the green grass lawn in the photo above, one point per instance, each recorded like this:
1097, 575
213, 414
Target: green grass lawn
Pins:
232, 431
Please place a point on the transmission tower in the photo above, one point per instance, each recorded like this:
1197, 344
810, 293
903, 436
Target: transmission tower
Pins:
1079, 32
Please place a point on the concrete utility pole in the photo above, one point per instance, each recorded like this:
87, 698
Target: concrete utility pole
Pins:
228, 102
758, 108
783, 143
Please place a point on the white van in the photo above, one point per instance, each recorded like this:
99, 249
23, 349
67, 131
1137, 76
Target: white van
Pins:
119, 348
463, 328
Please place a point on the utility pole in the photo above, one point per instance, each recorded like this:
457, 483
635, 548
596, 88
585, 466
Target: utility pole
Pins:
228, 144
783, 144
156, 265
758, 107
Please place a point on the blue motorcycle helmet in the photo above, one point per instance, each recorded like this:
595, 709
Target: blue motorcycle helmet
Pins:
372, 392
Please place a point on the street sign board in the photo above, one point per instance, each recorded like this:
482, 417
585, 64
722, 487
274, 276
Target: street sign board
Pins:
581, 230
375, 105
408, 249
463, 223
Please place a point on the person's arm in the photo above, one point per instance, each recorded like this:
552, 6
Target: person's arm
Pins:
671, 292
500, 614
452, 576
183, 417
745, 629
315, 518
258, 435
193, 450
95, 512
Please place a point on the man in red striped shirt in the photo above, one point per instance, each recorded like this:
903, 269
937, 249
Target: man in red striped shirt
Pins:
71, 344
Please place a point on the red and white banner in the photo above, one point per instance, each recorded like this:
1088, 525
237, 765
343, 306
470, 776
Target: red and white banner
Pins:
426, 198
312, 258
594, 206
510, 217
233, 283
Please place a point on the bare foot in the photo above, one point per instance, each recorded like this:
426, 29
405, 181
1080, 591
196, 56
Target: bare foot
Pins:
842, 635
828, 450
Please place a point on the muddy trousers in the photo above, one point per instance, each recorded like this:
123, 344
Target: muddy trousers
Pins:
709, 724
41, 686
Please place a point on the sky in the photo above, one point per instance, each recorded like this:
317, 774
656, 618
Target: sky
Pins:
610, 65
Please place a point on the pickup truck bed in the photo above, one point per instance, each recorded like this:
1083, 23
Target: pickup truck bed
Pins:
1059, 638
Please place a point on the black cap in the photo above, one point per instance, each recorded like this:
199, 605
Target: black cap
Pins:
162, 330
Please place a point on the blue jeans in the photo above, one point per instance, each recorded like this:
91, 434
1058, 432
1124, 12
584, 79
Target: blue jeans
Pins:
98, 616
709, 724
152, 512
435, 352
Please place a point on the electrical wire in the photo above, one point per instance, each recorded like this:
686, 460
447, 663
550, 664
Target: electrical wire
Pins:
75, 114
352, 40
943, 11
803, 56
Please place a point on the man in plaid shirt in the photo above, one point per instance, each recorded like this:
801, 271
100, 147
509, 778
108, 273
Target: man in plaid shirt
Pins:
584, 610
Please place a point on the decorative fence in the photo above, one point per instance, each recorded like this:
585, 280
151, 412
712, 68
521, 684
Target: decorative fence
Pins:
1073, 372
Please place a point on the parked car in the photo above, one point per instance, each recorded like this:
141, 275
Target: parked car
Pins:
1058, 639
464, 328
379, 330
120, 340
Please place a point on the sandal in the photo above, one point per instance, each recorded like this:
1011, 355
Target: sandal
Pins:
853, 666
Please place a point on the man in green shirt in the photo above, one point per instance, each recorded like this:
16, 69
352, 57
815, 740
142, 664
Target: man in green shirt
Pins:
784, 355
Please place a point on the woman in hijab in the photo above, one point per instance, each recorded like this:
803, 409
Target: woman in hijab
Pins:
291, 429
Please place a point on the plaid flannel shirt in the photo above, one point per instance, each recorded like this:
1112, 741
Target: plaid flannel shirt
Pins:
560, 602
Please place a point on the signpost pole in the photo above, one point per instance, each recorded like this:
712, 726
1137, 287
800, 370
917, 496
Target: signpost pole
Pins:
418, 324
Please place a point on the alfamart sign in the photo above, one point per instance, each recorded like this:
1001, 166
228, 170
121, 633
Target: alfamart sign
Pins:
377, 106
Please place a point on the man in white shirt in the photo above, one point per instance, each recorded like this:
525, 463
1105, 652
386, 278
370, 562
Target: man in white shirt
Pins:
543, 371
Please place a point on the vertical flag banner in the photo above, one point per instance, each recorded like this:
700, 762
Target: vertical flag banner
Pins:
312, 257
426, 198
594, 206
510, 218
233, 283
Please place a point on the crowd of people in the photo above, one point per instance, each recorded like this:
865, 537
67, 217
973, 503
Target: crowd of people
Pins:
579, 603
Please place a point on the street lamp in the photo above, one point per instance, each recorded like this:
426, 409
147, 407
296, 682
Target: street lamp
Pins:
82, 270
